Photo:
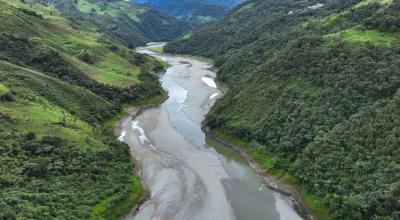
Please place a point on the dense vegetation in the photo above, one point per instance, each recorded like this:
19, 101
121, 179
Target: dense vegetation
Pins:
322, 82
49, 177
193, 11
225, 3
132, 25
59, 82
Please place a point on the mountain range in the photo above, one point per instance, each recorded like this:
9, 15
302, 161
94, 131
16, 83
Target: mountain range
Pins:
225, 3
311, 91
193, 11
132, 25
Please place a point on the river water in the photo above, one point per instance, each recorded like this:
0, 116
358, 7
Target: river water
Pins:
188, 176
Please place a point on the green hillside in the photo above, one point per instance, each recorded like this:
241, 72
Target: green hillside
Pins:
59, 82
193, 11
322, 78
131, 25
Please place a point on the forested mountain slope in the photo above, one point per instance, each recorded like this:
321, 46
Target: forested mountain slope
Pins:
315, 84
59, 81
193, 11
225, 3
132, 25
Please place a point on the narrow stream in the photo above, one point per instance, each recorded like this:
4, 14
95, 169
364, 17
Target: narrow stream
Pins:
188, 176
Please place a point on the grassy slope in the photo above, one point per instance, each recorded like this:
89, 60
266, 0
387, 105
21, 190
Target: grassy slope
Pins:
131, 25
55, 32
194, 12
291, 108
375, 37
31, 111
31, 101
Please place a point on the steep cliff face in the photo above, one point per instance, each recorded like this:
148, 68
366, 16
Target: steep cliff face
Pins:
312, 83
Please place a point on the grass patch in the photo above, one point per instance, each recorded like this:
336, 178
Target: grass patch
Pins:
3, 90
188, 36
367, 2
88, 7
48, 119
206, 19
267, 161
159, 49
371, 36
119, 79
245, 7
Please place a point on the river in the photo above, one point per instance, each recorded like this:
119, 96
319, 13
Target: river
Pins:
188, 176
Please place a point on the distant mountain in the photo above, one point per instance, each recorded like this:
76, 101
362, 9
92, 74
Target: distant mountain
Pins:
225, 3
131, 24
195, 11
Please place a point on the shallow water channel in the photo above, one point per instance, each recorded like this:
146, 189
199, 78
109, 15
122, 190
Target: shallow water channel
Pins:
188, 176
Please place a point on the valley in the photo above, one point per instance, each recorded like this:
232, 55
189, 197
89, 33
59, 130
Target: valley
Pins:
257, 109
188, 175
319, 77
